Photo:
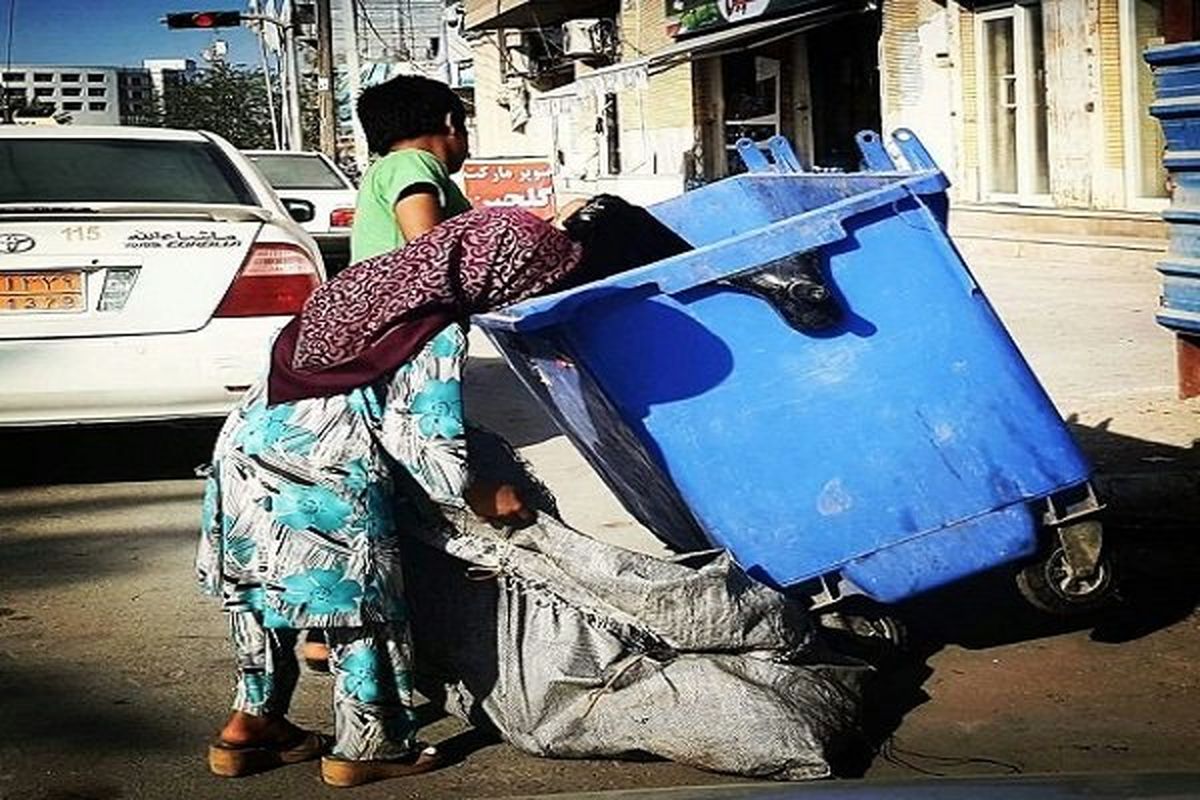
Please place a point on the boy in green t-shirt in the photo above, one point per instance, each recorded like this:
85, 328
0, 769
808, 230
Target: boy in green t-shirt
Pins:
418, 126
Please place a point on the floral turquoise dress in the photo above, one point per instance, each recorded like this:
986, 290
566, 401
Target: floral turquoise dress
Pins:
300, 511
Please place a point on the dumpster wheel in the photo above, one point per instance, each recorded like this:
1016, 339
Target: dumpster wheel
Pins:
1047, 584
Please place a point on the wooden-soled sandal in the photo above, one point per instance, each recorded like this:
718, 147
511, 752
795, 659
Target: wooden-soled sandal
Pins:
236, 761
342, 772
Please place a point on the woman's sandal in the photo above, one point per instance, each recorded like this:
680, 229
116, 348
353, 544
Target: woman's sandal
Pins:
342, 772
236, 761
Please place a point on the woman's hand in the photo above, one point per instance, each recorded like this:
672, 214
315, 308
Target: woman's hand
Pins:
567, 211
498, 503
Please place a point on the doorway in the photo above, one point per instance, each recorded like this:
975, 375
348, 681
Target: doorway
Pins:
1011, 74
1142, 26
843, 73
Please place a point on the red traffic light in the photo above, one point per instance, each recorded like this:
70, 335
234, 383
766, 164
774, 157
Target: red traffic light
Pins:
204, 19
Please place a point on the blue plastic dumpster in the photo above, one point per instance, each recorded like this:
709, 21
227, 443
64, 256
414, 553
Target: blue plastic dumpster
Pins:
903, 448
1177, 107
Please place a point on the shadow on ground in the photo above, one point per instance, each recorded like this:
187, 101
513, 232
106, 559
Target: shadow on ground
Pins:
105, 454
1153, 496
495, 399
38, 561
40, 717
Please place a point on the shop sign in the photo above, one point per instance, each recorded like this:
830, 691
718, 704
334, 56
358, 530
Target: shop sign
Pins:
691, 16
510, 183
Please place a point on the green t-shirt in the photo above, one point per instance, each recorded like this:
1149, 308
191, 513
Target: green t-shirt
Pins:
375, 230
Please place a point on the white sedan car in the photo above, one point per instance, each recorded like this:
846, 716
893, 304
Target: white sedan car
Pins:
310, 183
143, 274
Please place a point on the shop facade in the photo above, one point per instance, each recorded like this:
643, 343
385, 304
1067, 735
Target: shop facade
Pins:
1039, 105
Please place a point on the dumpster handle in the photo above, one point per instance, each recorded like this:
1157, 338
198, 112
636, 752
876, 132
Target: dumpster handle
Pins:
874, 154
913, 150
797, 290
785, 156
756, 163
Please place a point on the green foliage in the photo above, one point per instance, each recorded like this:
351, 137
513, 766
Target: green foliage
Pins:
229, 101
232, 103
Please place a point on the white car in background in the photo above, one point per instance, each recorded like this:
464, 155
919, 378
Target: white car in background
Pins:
310, 183
143, 274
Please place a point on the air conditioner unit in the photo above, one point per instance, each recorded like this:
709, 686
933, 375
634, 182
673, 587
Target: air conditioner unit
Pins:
587, 38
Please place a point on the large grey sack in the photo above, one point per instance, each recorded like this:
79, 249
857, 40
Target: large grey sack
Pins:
570, 647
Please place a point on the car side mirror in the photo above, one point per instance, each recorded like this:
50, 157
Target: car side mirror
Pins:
299, 210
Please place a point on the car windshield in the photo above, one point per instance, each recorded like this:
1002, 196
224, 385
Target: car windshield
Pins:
54, 170
298, 172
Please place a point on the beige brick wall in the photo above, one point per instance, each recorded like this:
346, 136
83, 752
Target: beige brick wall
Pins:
970, 90
1111, 84
494, 134
657, 122
657, 128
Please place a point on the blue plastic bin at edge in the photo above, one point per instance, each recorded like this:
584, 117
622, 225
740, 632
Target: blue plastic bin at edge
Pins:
902, 449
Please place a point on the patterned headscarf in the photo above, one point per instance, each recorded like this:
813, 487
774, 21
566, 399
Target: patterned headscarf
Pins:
374, 316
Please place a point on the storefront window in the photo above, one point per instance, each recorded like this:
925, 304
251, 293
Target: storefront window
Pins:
1012, 74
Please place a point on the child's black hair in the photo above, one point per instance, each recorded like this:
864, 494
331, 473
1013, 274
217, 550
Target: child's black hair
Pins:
405, 107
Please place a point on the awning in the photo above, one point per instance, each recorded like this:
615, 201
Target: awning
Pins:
636, 73
493, 14
607, 80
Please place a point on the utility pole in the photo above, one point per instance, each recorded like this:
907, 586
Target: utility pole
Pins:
354, 82
325, 79
295, 121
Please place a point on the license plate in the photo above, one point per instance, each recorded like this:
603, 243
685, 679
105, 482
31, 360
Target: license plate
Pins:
60, 292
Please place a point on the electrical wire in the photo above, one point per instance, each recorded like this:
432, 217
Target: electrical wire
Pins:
362, 7
408, 57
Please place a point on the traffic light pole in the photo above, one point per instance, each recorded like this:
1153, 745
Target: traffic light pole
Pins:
293, 122
325, 79
295, 126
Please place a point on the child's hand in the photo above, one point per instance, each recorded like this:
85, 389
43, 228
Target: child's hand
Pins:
498, 503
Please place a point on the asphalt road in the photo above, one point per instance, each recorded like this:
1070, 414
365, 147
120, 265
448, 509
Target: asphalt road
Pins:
114, 672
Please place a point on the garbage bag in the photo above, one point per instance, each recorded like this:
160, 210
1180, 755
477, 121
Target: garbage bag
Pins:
573, 648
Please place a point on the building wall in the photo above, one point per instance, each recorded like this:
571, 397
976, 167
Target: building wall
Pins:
135, 88
1072, 99
1110, 189
655, 128
930, 61
496, 98
98, 86
164, 71
930, 82
967, 162
916, 69
658, 124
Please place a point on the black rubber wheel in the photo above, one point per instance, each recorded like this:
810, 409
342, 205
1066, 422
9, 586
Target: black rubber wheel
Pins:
1045, 585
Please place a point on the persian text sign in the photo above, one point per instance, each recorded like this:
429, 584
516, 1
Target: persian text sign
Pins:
509, 182
689, 16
